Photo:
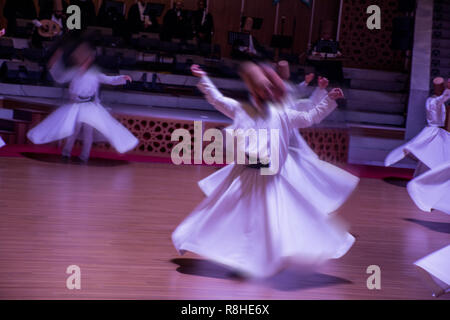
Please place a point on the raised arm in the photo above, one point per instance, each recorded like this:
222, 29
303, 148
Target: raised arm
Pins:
57, 70
321, 90
434, 108
225, 105
316, 97
304, 119
113, 80
302, 87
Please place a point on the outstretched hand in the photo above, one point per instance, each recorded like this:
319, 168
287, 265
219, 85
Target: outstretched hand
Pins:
127, 78
197, 71
336, 93
446, 95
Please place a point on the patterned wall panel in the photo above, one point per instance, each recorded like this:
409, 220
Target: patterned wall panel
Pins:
154, 136
369, 49
330, 144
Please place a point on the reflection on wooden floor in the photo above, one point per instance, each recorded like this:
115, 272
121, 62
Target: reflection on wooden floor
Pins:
115, 222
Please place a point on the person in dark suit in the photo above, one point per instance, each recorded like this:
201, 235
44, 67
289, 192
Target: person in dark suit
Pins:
139, 21
18, 9
57, 15
203, 23
250, 49
175, 23
326, 63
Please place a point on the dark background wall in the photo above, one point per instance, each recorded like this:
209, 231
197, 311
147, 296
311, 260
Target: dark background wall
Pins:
364, 48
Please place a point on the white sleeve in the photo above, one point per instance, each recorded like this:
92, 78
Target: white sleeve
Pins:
304, 119
225, 105
303, 105
112, 80
37, 23
302, 88
317, 95
434, 108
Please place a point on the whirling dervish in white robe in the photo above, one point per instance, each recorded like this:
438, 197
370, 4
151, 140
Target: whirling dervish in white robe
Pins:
257, 224
431, 147
437, 268
431, 190
2, 143
84, 117
329, 187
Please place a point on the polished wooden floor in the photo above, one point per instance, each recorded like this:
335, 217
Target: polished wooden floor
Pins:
115, 221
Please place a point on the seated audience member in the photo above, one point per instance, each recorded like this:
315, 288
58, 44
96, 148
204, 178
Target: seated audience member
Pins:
328, 65
203, 23
57, 16
113, 17
326, 35
139, 21
18, 9
175, 23
250, 48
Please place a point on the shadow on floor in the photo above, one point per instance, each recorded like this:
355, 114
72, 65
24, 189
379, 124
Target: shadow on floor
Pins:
292, 280
56, 158
204, 268
443, 227
399, 182
288, 280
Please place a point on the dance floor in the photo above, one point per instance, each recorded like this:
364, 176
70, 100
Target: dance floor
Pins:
114, 220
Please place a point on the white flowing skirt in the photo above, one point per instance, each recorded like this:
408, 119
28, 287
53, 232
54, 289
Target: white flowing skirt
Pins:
325, 186
431, 190
258, 224
437, 264
431, 146
2, 143
63, 121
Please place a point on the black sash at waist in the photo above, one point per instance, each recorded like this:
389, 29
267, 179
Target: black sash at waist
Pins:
257, 165
81, 99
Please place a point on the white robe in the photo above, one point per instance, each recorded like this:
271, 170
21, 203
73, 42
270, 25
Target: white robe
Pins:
62, 123
2, 143
328, 186
437, 264
257, 224
431, 190
432, 145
